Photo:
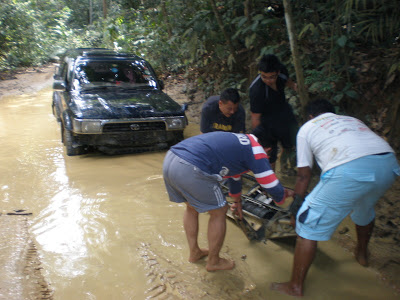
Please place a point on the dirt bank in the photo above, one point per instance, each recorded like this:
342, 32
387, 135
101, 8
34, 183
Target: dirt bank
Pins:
26, 81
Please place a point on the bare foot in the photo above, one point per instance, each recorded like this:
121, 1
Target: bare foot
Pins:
361, 257
223, 264
198, 255
286, 288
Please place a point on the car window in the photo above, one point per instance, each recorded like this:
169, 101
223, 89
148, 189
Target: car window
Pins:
123, 74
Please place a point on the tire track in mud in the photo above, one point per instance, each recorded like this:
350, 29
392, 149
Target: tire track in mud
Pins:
168, 279
21, 276
34, 277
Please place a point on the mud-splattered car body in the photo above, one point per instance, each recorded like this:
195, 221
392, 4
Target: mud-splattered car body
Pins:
113, 102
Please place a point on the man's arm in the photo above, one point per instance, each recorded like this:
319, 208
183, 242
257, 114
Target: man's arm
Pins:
256, 96
205, 121
302, 181
255, 119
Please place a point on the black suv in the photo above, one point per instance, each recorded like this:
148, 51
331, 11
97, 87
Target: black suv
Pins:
113, 102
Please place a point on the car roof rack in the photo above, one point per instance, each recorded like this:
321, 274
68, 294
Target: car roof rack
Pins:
107, 52
98, 52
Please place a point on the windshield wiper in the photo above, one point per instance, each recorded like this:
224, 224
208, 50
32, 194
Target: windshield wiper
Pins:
105, 87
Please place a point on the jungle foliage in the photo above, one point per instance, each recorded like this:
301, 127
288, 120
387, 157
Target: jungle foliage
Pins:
349, 49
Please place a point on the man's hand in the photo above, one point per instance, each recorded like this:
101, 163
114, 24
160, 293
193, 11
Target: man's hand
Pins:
236, 207
296, 204
289, 194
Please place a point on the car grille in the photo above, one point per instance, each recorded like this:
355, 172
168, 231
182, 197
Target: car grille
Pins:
133, 126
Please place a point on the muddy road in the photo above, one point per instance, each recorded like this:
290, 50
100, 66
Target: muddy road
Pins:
102, 227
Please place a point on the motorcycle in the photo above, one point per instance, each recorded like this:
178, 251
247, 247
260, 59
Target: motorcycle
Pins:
262, 219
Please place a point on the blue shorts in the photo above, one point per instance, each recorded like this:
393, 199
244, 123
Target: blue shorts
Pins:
352, 188
187, 183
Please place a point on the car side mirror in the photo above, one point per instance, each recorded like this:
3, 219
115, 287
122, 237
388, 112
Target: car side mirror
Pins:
184, 106
59, 85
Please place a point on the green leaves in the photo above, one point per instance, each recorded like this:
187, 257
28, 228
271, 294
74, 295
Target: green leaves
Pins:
346, 91
341, 41
216, 47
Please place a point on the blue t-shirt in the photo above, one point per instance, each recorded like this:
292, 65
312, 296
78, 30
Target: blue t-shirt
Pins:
229, 155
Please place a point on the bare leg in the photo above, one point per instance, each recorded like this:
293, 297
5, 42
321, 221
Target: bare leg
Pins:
303, 257
363, 236
216, 236
191, 225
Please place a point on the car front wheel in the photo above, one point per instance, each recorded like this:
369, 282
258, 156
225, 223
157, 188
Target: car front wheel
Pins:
68, 140
178, 136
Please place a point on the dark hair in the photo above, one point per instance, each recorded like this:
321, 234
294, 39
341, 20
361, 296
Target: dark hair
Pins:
269, 63
319, 106
230, 94
264, 136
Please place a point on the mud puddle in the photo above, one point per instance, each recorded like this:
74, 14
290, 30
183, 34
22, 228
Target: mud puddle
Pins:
103, 227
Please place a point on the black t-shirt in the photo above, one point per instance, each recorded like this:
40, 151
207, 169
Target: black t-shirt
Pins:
271, 104
212, 119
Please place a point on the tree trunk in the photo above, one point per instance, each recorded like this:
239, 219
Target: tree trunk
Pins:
251, 54
222, 28
105, 9
90, 12
394, 123
301, 89
247, 10
165, 17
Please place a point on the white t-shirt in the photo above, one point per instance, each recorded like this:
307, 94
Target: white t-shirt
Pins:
335, 140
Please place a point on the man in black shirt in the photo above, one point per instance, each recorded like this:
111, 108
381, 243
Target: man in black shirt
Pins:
270, 110
223, 113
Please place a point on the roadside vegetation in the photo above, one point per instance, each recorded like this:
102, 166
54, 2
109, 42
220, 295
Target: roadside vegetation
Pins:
349, 50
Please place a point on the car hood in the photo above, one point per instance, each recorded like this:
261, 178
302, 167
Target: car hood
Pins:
125, 104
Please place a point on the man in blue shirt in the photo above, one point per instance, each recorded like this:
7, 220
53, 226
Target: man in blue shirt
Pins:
193, 170
223, 113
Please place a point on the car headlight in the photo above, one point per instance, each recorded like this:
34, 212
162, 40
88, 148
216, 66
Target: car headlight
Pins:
175, 123
91, 127
87, 126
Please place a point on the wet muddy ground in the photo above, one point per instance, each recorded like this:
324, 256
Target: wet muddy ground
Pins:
101, 227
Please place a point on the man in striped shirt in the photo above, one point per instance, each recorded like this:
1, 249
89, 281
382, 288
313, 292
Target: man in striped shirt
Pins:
192, 172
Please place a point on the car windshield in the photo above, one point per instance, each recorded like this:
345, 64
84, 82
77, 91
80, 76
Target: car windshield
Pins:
119, 74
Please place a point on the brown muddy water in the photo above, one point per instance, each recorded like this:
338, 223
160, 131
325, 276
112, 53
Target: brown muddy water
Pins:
104, 228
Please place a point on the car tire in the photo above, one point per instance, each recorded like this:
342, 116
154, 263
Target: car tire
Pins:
178, 136
68, 140
55, 113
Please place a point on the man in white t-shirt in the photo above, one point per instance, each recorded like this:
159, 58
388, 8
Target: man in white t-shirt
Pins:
357, 167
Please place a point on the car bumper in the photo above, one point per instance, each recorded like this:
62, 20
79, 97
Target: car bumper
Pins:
128, 139
90, 126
